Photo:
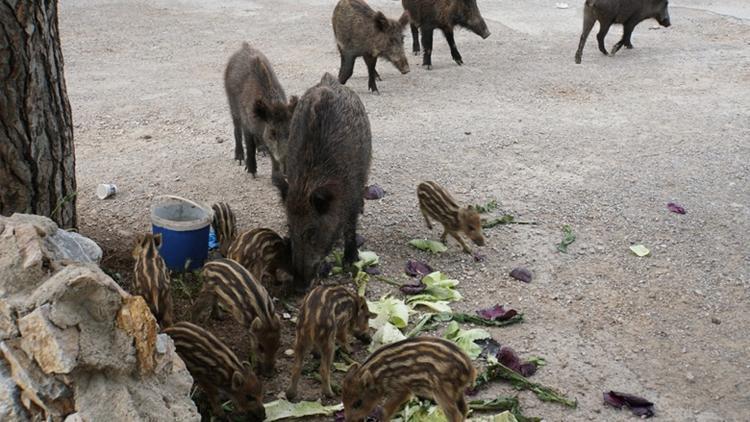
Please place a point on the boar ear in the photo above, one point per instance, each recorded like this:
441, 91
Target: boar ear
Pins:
262, 110
366, 379
237, 380
321, 199
157, 240
256, 324
404, 20
292, 104
381, 22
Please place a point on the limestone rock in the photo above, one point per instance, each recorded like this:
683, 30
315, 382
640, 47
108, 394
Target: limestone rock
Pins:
54, 349
11, 409
136, 319
75, 346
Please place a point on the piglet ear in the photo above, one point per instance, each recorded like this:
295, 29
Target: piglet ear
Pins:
157, 240
321, 199
237, 381
256, 324
367, 380
381, 22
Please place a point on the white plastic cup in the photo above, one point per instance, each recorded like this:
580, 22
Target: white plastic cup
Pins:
105, 190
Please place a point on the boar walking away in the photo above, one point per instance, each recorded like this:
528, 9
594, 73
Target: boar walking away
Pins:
629, 13
329, 162
428, 15
423, 366
363, 32
259, 108
151, 278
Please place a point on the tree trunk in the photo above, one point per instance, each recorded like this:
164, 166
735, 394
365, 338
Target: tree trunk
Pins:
37, 160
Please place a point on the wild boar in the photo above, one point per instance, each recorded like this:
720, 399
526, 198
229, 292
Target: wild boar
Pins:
436, 202
428, 15
424, 366
328, 315
362, 32
247, 301
629, 13
259, 108
216, 369
330, 147
151, 277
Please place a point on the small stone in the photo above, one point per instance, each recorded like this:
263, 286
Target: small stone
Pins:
286, 315
715, 320
690, 377
289, 352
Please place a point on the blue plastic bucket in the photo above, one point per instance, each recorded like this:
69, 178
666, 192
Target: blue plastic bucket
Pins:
184, 227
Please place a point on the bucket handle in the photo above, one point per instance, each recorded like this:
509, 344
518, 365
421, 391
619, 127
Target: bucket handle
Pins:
209, 211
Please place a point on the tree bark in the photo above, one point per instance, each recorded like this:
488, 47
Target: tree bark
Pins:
37, 158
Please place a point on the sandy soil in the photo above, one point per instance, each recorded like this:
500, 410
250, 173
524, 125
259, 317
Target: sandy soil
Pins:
601, 146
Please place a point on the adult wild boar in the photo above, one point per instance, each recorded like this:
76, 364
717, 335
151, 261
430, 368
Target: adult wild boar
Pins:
328, 165
428, 15
259, 109
629, 13
363, 32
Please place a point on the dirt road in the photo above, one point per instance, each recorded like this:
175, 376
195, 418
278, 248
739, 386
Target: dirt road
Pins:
601, 146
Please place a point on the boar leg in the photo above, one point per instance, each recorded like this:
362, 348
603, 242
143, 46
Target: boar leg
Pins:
415, 39
326, 360
588, 24
213, 399
461, 241
347, 67
342, 337
427, 46
450, 410
239, 153
371, 61
351, 254
603, 29
452, 44
394, 402
426, 218
301, 349
250, 164
627, 32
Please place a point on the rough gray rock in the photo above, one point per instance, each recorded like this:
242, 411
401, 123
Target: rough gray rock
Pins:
75, 346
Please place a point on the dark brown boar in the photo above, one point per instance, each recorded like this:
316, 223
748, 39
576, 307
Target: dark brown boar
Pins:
216, 369
428, 15
329, 162
151, 278
362, 32
629, 13
328, 315
423, 366
259, 108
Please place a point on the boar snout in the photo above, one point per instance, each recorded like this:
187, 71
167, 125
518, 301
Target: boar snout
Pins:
487, 33
364, 338
665, 22
479, 240
403, 66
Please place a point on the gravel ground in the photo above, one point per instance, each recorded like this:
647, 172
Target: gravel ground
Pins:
601, 146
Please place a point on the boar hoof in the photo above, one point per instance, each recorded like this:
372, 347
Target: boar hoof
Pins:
578, 59
629, 46
329, 393
427, 66
291, 394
